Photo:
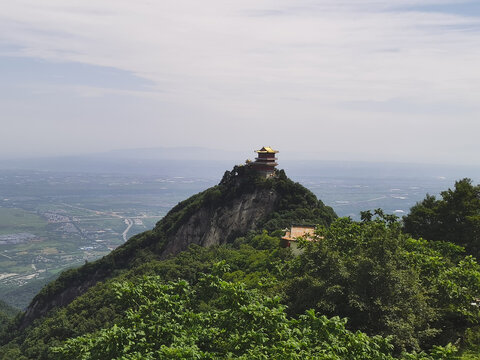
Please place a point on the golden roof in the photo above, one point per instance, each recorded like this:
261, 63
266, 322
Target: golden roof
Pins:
266, 150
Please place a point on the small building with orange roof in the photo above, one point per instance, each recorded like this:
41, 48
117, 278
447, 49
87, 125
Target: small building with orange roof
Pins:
306, 232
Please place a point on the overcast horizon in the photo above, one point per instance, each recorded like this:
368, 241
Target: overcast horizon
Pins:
350, 80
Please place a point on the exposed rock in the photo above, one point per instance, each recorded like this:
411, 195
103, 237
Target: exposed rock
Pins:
214, 226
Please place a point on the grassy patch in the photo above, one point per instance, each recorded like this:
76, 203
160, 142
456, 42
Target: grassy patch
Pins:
50, 251
18, 220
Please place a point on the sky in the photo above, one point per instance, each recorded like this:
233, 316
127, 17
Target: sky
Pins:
370, 80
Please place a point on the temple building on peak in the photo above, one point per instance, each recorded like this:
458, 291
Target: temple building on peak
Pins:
265, 161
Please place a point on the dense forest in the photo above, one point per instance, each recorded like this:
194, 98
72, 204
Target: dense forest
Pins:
380, 288
6, 314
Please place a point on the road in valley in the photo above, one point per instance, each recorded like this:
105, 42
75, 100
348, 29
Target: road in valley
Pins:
129, 223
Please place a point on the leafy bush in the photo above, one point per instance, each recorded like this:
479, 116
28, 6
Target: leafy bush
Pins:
386, 283
217, 320
455, 217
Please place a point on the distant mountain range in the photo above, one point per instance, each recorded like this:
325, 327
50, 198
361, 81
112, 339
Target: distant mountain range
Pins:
182, 161
211, 163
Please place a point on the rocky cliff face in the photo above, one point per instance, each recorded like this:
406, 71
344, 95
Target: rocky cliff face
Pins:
213, 226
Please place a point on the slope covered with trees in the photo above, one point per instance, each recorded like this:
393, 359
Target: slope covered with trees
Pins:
363, 290
415, 293
288, 202
218, 319
7, 313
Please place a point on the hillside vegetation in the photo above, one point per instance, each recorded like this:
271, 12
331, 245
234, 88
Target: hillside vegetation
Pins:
363, 290
7, 313
454, 218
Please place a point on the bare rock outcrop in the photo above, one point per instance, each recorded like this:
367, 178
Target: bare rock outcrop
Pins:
214, 226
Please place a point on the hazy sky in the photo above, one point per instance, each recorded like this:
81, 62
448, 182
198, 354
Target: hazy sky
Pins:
340, 79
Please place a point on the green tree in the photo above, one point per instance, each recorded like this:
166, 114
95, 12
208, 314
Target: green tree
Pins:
217, 319
455, 217
386, 283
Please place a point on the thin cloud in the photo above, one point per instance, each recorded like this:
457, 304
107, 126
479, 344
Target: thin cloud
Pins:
272, 60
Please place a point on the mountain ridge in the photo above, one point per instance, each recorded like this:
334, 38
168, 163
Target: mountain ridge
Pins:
241, 202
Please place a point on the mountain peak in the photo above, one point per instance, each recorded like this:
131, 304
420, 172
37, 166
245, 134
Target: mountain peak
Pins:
244, 200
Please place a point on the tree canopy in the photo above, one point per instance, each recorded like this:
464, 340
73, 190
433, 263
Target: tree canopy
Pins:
454, 218
415, 294
218, 319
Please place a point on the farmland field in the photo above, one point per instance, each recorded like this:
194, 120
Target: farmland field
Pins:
17, 220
